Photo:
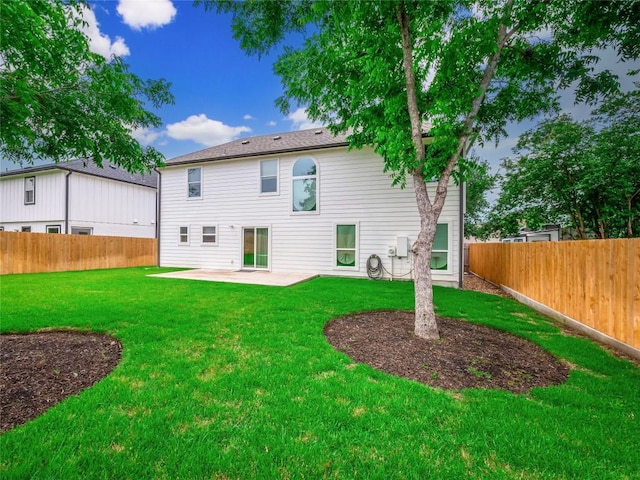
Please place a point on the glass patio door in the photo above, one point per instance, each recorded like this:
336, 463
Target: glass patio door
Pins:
255, 247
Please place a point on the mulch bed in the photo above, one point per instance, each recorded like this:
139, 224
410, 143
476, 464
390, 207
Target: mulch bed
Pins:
38, 370
466, 355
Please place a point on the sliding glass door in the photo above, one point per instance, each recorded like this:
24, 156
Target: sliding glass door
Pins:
255, 247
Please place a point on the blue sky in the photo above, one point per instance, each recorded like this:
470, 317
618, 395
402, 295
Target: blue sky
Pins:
220, 93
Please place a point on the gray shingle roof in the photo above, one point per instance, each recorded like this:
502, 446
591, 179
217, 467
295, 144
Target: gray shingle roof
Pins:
301, 140
87, 167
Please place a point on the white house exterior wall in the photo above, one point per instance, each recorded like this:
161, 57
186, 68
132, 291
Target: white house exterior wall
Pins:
110, 207
47, 209
352, 189
107, 207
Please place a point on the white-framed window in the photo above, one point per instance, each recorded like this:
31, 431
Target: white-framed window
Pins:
25, 229
53, 228
1, 229
269, 177
81, 230
346, 243
183, 238
304, 186
194, 182
209, 235
30, 190
440, 258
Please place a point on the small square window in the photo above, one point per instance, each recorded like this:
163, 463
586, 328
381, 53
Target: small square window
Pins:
184, 235
53, 228
81, 230
25, 229
209, 235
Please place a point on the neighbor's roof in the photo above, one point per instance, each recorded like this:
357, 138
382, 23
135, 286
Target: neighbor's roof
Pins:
301, 140
87, 167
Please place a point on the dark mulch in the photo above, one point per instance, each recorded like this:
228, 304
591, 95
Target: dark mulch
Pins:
467, 355
38, 370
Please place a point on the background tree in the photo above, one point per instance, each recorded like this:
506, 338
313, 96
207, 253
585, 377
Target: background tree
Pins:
545, 181
478, 182
380, 70
59, 101
585, 176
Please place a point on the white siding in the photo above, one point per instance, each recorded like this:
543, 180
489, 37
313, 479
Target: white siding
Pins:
106, 206
352, 189
110, 207
47, 209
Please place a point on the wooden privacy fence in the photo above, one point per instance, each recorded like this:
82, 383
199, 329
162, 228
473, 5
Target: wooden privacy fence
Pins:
594, 282
51, 252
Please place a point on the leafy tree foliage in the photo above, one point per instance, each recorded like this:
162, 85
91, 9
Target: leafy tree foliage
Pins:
583, 175
479, 181
381, 70
60, 101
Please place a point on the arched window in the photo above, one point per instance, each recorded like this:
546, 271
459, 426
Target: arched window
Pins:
304, 185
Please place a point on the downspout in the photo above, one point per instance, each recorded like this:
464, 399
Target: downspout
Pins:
461, 242
66, 202
158, 198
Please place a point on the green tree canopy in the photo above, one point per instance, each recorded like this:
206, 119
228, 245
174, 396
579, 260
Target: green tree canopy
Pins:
583, 175
382, 71
60, 101
479, 181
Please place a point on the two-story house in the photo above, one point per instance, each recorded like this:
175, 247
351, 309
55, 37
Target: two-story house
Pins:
78, 197
298, 202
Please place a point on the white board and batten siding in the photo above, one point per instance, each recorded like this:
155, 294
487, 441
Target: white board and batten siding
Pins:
111, 207
352, 189
48, 208
99, 205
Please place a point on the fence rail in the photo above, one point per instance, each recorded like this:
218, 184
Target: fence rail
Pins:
595, 282
50, 252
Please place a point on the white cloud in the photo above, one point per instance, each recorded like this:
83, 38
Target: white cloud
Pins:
271, 123
247, 117
146, 136
99, 42
301, 121
150, 14
204, 130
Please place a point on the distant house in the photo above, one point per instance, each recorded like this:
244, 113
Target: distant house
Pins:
80, 198
297, 202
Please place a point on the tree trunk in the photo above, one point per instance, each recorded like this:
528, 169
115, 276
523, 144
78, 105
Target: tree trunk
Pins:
426, 325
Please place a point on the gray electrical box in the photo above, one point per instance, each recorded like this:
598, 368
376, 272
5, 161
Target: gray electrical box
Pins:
402, 246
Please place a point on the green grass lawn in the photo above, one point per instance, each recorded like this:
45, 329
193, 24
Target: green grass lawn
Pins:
226, 381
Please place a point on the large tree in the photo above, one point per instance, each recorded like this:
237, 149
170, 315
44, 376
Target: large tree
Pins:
583, 175
60, 101
478, 181
382, 70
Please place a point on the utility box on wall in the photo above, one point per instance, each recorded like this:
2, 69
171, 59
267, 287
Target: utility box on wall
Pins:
402, 246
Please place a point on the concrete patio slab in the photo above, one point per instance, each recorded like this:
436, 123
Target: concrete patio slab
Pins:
252, 277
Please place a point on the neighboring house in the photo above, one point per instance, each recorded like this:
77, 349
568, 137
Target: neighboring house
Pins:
297, 202
78, 197
548, 233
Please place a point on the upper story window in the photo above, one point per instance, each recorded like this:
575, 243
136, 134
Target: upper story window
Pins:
194, 182
269, 176
29, 190
304, 186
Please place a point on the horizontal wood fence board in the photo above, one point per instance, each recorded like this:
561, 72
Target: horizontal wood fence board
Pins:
51, 252
596, 282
